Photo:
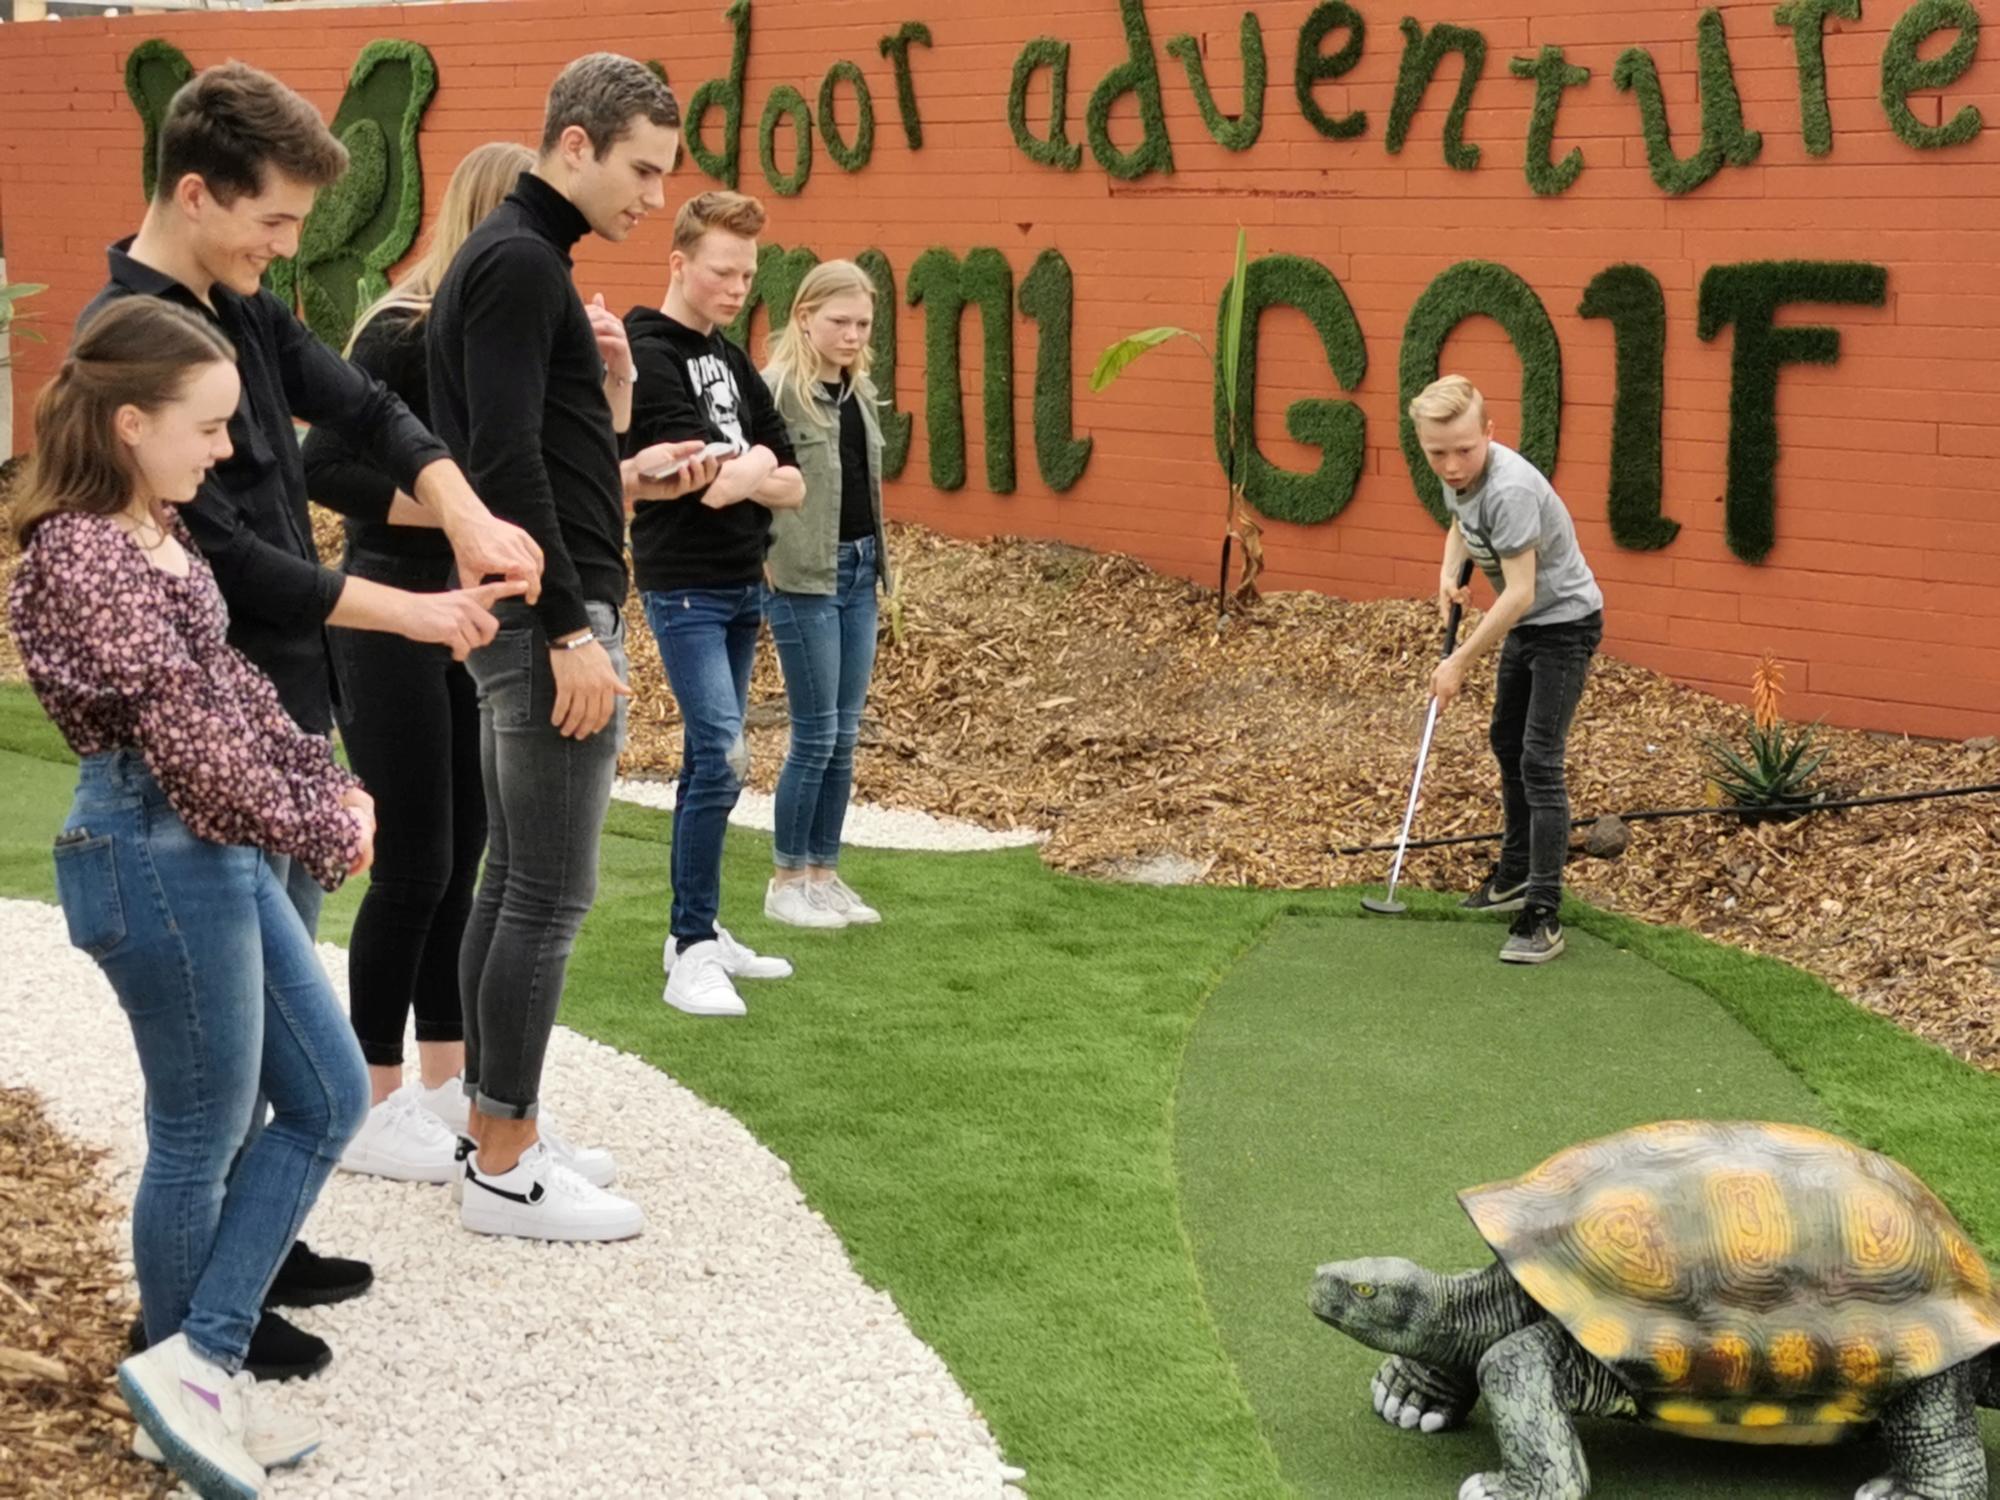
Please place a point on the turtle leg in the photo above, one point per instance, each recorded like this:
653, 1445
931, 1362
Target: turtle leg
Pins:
1535, 1382
1932, 1430
1411, 1394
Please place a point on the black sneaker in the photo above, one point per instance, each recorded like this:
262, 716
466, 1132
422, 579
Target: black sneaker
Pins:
309, 1280
1534, 938
1496, 893
279, 1350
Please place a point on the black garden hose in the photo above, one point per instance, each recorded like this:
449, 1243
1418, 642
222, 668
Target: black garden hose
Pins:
1650, 814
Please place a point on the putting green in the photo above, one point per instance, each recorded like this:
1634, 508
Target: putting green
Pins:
1347, 1077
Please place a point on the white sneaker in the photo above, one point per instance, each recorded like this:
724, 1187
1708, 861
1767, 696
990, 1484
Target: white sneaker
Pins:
700, 983
801, 903
738, 959
448, 1102
193, 1411
541, 1199
274, 1439
592, 1163
403, 1141
841, 898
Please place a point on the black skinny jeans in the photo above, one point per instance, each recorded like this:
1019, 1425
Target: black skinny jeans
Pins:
409, 718
1536, 690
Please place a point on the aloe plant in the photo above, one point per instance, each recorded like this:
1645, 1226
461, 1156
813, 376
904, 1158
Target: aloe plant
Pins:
1776, 774
1238, 523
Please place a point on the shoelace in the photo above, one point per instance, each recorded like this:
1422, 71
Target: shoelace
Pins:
1529, 920
426, 1125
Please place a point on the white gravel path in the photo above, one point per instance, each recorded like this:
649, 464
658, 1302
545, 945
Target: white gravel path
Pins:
729, 1353
867, 826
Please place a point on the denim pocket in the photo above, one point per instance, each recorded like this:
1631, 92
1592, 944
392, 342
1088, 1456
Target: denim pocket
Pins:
87, 886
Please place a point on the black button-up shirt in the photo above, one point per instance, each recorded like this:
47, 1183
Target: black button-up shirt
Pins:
250, 518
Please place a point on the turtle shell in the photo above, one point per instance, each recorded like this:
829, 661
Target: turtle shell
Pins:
1747, 1281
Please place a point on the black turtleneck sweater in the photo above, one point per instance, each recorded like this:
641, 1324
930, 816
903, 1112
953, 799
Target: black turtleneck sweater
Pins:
517, 391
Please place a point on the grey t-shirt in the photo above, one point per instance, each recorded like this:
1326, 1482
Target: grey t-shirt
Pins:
1515, 508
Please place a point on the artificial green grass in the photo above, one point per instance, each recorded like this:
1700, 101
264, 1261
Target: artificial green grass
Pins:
1346, 1078
979, 1096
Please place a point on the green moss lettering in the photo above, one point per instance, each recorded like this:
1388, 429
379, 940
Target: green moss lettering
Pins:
1238, 132
896, 424
1054, 149
154, 73
944, 284
1459, 292
1904, 73
1422, 52
849, 158
1807, 20
1552, 75
1723, 136
723, 165
1630, 297
1138, 75
1048, 296
1310, 67
1747, 296
1337, 428
786, 100
896, 47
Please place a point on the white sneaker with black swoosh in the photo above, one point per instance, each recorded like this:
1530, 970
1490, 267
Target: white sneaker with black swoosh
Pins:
540, 1199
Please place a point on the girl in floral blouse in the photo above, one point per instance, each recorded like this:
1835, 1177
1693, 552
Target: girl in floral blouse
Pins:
190, 771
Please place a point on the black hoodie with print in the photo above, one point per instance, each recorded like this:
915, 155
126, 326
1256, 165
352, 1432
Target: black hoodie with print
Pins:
695, 385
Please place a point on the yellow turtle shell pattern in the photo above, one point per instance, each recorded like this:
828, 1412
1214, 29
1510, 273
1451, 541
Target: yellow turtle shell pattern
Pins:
1748, 1281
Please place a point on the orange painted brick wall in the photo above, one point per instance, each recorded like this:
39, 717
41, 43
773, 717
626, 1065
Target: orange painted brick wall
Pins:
1879, 592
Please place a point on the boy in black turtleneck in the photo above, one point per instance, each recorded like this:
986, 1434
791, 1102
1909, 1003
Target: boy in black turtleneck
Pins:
701, 566
529, 387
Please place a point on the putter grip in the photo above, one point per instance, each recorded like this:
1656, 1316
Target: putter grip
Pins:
1457, 610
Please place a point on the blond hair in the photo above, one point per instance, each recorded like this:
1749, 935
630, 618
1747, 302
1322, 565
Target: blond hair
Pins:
793, 361
1447, 400
733, 213
485, 176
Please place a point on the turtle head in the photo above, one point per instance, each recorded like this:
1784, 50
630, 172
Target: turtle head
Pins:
1384, 1302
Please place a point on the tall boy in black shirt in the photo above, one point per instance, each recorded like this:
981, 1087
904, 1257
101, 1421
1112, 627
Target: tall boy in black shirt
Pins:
241, 158
518, 374
700, 566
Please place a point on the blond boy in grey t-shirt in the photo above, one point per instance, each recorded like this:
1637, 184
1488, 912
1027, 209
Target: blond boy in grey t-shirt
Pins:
1547, 620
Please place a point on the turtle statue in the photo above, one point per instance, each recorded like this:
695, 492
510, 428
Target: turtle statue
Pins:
1751, 1282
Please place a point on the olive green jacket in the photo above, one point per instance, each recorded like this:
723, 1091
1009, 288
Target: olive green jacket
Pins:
805, 543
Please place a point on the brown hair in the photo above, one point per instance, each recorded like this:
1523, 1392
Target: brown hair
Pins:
139, 351
732, 213
478, 183
229, 122
602, 92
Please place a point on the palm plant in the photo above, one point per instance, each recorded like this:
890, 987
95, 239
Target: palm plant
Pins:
11, 316
1239, 525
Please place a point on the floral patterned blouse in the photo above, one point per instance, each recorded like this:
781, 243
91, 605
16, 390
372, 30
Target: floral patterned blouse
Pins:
125, 655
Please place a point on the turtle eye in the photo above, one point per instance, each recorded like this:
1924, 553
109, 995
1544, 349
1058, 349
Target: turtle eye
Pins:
1363, 1290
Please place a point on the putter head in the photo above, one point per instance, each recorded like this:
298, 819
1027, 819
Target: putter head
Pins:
1383, 906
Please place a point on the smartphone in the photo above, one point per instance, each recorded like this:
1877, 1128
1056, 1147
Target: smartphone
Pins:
712, 450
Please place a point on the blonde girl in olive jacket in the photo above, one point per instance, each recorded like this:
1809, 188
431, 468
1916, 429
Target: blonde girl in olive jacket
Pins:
826, 562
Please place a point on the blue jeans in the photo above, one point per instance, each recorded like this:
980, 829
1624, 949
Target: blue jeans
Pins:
1535, 693
225, 998
546, 796
708, 642
826, 644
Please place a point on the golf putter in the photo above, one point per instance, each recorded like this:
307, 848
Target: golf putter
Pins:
1389, 906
